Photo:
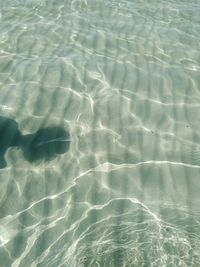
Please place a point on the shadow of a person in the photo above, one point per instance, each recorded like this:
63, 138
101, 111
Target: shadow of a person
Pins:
9, 136
44, 144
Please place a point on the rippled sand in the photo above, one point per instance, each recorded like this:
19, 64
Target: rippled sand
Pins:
122, 77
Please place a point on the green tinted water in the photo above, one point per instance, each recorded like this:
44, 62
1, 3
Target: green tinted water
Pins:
121, 78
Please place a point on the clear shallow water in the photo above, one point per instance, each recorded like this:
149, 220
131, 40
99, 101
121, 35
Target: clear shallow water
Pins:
122, 77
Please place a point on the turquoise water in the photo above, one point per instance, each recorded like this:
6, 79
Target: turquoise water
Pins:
99, 133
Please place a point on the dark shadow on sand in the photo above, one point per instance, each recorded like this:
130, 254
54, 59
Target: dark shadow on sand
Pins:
45, 144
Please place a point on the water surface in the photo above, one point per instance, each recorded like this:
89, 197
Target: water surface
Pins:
122, 79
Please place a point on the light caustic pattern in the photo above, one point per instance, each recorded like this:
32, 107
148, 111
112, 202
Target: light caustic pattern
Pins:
123, 78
